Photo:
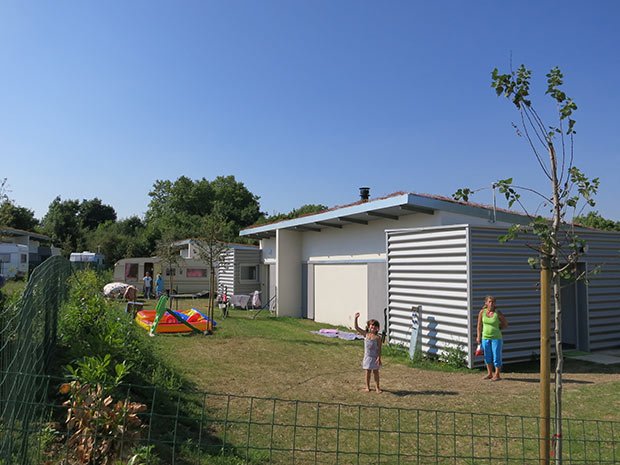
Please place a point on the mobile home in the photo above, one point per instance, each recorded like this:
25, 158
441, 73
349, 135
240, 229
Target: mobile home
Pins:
238, 271
13, 260
86, 259
188, 276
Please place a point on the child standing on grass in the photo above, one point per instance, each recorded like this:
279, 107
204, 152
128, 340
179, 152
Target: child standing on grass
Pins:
372, 351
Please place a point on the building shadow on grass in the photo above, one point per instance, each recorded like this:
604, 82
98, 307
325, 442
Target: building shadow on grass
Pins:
536, 380
571, 365
426, 392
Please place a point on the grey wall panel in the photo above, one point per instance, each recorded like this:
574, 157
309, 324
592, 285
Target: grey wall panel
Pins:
502, 270
377, 290
246, 257
603, 290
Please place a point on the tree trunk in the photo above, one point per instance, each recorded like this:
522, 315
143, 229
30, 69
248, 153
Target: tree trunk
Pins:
557, 330
559, 367
211, 297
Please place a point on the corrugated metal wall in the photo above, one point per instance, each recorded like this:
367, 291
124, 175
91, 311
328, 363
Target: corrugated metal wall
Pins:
603, 288
226, 272
502, 270
448, 271
428, 267
246, 257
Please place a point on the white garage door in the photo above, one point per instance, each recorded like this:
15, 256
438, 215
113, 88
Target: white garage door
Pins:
339, 292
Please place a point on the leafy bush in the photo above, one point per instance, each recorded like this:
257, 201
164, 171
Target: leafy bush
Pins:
99, 429
143, 455
454, 355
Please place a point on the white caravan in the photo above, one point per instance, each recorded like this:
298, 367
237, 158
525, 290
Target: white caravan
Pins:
13, 260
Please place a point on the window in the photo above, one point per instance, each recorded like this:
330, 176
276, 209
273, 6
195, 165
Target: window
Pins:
131, 270
24, 258
248, 273
171, 272
196, 272
5, 257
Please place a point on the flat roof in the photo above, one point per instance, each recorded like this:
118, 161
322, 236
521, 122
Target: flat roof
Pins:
21, 232
391, 207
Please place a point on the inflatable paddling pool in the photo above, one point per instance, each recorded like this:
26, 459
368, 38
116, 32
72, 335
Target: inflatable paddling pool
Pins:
170, 324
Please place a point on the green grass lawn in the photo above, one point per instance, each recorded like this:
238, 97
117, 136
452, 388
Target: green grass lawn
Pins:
284, 388
281, 357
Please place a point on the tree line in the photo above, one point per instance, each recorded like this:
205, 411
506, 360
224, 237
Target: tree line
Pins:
176, 210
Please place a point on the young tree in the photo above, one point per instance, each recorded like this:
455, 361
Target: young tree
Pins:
558, 246
169, 255
211, 247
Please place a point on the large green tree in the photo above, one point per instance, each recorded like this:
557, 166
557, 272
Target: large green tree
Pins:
68, 222
93, 212
14, 216
120, 239
595, 220
179, 206
307, 209
62, 224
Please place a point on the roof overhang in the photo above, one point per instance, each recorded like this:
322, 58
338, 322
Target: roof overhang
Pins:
391, 208
20, 232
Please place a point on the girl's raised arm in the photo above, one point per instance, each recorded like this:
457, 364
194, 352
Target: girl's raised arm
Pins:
357, 326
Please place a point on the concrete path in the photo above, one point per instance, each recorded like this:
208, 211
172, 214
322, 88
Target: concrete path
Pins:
603, 357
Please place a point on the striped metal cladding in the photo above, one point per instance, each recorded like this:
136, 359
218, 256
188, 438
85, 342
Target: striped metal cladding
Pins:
449, 270
228, 270
501, 269
428, 267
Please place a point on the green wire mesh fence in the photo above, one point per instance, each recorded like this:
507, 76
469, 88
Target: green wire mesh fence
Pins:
27, 338
197, 427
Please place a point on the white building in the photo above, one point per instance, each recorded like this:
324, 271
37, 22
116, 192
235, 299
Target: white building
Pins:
39, 245
409, 250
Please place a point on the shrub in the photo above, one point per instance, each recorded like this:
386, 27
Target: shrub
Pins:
454, 355
98, 427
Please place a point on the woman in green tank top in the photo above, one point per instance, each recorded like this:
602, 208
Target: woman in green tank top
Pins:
490, 323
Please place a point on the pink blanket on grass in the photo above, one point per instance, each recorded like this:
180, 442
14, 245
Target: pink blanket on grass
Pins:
339, 334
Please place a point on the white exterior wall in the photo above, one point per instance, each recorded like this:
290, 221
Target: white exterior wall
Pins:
356, 241
339, 292
288, 273
268, 250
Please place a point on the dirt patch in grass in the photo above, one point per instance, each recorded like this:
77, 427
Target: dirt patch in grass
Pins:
281, 358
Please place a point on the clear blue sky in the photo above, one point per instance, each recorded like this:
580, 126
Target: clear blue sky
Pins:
302, 101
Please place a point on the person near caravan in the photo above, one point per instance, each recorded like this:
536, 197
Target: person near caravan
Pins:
372, 351
489, 333
117, 290
148, 282
159, 285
